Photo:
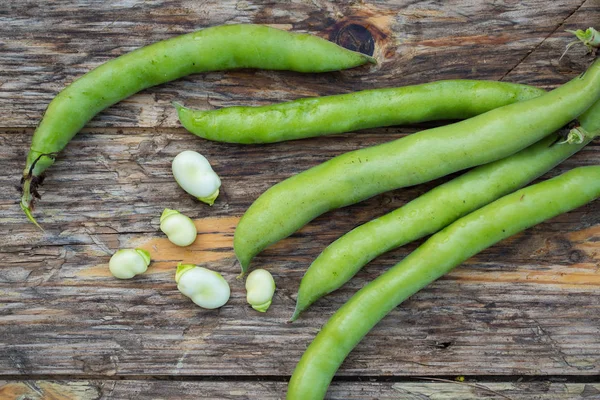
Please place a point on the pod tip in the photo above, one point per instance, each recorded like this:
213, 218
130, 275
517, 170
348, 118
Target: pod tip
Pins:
295, 315
371, 59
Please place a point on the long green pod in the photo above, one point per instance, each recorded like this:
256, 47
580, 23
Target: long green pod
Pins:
217, 48
318, 116
437, 256
421, 157
434, 210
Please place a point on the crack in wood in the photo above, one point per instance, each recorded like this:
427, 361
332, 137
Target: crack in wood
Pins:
529, 53
543, 334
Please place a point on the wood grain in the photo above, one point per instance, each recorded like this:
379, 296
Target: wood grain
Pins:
47, 46
528, 306
208, 390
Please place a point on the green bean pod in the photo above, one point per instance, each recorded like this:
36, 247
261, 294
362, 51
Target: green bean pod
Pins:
437, 256
217, 48
318, 116
439, 207
421, 157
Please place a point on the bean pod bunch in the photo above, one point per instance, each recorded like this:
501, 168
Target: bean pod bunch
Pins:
506, 133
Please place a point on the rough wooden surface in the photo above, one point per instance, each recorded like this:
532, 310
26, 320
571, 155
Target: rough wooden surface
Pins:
265, 390
529, 306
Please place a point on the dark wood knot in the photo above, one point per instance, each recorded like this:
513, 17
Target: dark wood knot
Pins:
354, 37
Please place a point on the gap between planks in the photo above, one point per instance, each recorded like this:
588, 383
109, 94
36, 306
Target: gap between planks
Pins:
285, 378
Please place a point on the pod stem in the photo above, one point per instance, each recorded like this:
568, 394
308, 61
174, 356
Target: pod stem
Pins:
26, 203
29, 184
590, 38
578, 134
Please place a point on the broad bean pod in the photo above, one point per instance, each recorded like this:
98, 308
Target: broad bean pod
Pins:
439, 207
318, 116
222, 47
437, 256
417, 158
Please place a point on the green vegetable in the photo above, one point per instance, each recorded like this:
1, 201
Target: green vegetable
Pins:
260, 287
193, 173
218, 48
127, 263
180, 229
453, 99
421, 157
437, 256
590, 38
206, 288
432, 211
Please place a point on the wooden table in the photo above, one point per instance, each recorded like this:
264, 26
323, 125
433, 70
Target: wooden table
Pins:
520, 321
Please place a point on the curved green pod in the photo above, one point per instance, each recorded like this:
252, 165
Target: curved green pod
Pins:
417, 158
318, 116
434, 210
222, 47
437, 256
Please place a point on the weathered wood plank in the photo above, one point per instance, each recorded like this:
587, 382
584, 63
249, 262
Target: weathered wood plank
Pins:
528, 306
120, 334
74, 318
268, 390
46, 46
108, 180
495, 315
541, 64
